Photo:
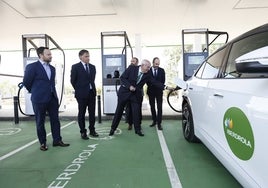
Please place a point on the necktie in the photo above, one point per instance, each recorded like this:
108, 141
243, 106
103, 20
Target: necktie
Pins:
155, 72
139, 77
87, 68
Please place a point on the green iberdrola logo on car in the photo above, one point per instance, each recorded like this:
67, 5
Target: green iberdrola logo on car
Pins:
238, 133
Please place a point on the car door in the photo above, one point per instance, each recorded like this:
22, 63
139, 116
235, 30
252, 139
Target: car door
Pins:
240, 101
205, 112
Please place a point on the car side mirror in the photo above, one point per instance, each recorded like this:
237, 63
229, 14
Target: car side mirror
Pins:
253, 62
251, 67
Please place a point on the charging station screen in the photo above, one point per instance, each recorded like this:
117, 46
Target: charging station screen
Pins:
191, 62
114, 62
196, 59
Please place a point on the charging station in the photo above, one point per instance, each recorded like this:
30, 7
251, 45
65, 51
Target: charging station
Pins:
197, 48
30, 42
114, 53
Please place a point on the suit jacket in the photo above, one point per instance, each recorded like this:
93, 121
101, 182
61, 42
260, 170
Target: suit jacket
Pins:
129, 77
37, 83
81, 80
161, 77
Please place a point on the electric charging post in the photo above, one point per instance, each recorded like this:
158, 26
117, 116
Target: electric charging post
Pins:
197, 48
114, 58
30, 42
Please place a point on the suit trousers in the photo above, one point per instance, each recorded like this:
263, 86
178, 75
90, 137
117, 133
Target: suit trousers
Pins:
40, 110
158, 98
128, 111
89, 104
135, 112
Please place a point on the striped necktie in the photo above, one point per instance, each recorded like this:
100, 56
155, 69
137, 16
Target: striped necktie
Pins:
139, 77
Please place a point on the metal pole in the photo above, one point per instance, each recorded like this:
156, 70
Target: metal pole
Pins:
16, 112
99, 109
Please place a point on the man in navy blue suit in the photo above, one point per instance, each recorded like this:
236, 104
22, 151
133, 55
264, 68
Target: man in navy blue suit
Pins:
155, 94
131, 90
39, 80
134, 62
83, 81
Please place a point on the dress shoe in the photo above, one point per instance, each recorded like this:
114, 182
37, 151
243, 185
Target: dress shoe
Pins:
139, 133
61, 144
111, 132
94, 134
84, 136
43, 147
129, 127
159, 127
153, 124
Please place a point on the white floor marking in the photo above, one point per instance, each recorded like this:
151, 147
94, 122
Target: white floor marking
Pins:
172, 173
29, 144
9, 131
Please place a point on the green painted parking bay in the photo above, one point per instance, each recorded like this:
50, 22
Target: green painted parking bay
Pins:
160, 159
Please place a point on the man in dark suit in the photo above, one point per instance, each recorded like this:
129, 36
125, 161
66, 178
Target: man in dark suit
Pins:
132, 82
156, 94
39, 80
134, 62
83, 81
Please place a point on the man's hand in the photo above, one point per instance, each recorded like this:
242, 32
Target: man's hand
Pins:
169, 88
132, 88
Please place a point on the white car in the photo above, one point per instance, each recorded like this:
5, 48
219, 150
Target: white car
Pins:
225, 106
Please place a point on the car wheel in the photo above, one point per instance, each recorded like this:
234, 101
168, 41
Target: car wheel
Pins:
188, 124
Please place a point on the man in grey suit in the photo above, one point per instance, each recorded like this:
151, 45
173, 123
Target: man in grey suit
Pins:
39, 80
83, 76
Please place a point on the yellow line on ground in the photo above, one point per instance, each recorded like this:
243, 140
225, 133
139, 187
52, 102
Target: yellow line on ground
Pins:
28, 144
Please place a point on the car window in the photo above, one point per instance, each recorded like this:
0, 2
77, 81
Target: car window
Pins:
241, 47
210, 68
